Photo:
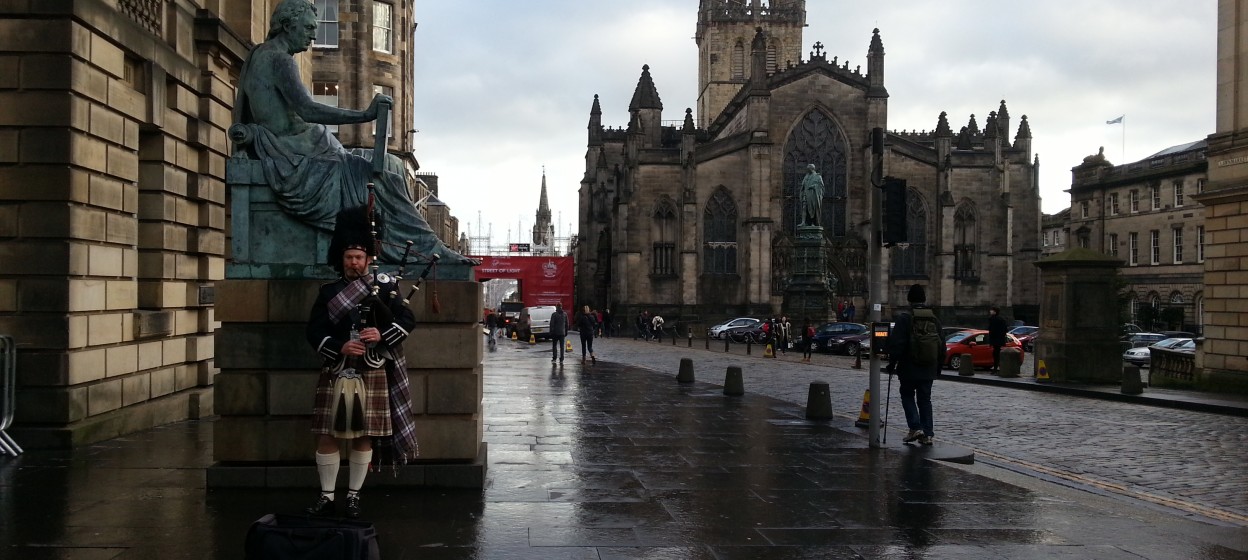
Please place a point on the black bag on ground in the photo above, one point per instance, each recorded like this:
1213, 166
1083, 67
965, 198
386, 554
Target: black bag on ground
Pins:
297, 537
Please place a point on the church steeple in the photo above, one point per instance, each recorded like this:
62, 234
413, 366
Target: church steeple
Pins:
724, 35
543, 230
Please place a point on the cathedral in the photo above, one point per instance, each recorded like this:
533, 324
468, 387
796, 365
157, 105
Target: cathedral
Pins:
698, 221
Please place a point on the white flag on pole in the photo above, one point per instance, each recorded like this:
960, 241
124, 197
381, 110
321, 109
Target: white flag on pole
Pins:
1115, 121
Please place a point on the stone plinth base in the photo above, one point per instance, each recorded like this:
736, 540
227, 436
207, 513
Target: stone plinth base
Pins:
807, 296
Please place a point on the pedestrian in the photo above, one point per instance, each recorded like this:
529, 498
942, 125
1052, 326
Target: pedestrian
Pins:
915, 353
656, 325
587, 324
840, 310
362, 394
491, 328
850, 311
786, 340
598, 321
558, 333
996, 335
643, 325
606, 323
808, 341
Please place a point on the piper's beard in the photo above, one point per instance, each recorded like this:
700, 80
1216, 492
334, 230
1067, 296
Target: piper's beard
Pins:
353, 274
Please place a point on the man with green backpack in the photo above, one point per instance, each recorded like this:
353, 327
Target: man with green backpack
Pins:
915, 353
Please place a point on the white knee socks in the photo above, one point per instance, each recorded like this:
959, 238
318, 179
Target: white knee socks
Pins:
359, 461
327, 468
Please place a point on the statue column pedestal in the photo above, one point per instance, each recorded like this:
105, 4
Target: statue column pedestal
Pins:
808, 295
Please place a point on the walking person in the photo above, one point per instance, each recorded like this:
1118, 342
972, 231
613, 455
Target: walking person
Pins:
656, 324
808, 341
587, 324
996, 335
915, 352
362, 394
558, 333
786, 334
491, 331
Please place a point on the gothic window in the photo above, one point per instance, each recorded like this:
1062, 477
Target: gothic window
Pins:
663, 232
719, 234
911, 259
738, 61
819, 140
964, 235
771, 57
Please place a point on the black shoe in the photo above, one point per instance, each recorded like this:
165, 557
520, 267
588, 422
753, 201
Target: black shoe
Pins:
324, 506
353, 506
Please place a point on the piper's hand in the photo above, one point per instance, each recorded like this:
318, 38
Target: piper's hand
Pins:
378, 99
354, 347
370, 335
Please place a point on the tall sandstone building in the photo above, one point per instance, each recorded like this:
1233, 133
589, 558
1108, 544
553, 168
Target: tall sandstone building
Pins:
1224, 354
697, 221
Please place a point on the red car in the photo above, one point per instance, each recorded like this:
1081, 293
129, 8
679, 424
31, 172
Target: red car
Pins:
975, 343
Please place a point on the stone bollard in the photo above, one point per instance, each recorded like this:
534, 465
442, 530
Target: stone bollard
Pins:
966, 368
749, 345
708, 342
726, 341
1011, 361
1131, 383
819, 401
685, 374
733, 384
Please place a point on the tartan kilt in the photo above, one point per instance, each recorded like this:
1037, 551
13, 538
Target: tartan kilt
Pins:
376, 403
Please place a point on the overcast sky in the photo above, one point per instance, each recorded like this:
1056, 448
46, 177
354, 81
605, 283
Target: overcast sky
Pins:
504, 88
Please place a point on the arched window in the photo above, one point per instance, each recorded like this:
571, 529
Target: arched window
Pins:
771, 57
719, 234
1199, 308
738, 61
663, 233
816, 139
1176, 297
911, 260
964, 235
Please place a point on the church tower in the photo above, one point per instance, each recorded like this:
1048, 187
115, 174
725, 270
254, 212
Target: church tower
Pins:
543, 230
725, 31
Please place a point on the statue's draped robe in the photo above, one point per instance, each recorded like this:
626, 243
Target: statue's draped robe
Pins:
812, 200
314, 177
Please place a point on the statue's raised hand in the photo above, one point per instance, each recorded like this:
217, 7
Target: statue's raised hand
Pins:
377, 100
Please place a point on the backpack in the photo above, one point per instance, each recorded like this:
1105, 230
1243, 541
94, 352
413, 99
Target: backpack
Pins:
924, 338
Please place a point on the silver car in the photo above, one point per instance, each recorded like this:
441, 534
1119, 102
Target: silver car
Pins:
717, 331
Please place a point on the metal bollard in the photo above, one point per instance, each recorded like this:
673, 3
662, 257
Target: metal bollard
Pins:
819, 401
733, 384
725, 343
691, 338
708, 342
1131, 383
8, 399
685, 374
965, 367
674, 331
749, 345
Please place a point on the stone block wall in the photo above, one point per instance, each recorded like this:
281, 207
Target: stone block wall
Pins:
112, 196
264, 391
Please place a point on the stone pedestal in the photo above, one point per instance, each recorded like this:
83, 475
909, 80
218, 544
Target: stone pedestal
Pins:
1078, 339
808, 295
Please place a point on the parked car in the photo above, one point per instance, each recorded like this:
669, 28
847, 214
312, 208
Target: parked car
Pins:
717, 331
1026, 335
1187, 346
946, 332
536, 321
1140, 339
975, 343
509, 316
749, 332
1130, 328
1143, 355
831, 337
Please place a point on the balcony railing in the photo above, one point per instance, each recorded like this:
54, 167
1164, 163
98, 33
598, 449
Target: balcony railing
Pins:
1172, 368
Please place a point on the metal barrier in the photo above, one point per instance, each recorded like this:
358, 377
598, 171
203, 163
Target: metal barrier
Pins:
8, 391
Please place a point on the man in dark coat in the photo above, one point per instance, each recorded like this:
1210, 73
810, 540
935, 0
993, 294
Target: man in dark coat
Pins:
996, 335
587, 324
558, 333
915, 381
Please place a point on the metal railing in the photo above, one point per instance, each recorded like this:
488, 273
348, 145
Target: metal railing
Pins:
8, 392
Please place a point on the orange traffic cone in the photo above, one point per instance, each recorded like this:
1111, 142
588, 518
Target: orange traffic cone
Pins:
567, 345
864, 417
532, 339
514, 336
769, 352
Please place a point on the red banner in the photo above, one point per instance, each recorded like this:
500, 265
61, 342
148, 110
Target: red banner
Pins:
543, 280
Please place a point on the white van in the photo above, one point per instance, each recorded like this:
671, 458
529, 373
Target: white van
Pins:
537, 320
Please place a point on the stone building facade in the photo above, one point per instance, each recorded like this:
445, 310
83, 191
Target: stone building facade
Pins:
697, 221
1144, 213
1223, 357
113, 207
1054, 231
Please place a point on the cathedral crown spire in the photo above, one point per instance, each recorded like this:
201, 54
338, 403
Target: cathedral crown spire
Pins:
543, 230
645, 96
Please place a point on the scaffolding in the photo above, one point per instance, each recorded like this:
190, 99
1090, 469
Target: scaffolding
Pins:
482, 243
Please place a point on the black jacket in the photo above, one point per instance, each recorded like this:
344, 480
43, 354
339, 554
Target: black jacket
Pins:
587, 324
559, 324
996, 330
327, 336
899, 349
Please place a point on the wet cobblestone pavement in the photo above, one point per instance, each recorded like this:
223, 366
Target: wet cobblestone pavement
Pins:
616, 461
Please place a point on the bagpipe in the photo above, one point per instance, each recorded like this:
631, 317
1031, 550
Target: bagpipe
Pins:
390, 282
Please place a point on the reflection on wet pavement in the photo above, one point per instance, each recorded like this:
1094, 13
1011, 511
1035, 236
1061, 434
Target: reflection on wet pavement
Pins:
600, 461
